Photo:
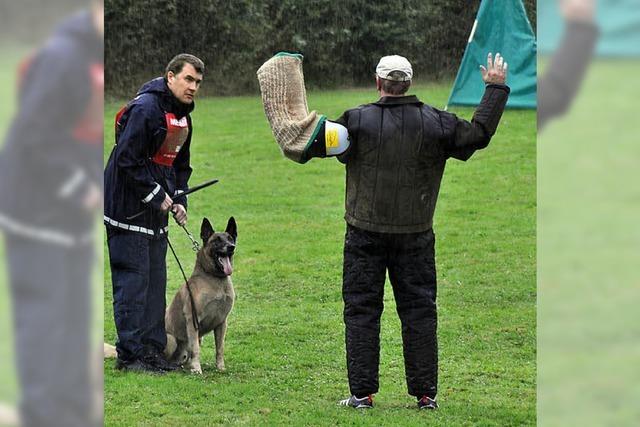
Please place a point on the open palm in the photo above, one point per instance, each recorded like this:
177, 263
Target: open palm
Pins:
496, 70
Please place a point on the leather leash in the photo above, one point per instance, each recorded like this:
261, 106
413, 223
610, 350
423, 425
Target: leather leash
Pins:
194, 314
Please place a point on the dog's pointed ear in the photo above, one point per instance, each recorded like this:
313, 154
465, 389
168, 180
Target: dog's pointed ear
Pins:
206, 230
232, 228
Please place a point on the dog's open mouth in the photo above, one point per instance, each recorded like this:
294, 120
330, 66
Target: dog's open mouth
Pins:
225, 262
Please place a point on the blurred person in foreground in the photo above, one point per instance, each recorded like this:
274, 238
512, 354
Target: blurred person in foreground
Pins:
50, 192
148, 169
559, 85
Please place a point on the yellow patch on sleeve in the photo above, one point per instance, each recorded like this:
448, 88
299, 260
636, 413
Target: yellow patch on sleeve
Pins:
331, 138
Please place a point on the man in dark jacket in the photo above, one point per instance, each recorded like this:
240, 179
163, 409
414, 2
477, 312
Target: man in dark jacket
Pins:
399, 147
148, 168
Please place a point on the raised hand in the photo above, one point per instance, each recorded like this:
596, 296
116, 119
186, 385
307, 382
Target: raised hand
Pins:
578, 10
496, 70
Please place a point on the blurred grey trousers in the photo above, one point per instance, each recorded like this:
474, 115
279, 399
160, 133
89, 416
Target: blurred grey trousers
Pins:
50, 293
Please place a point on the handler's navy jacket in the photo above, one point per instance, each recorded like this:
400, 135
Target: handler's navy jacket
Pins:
53, 153
150, 159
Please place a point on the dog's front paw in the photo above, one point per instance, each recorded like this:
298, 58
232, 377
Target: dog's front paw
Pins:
196, 370
220, 366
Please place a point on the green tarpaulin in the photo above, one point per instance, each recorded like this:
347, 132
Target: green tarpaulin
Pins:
618, 20
500, 26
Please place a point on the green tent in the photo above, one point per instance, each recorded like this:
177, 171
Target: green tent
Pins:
500, 26
618, 21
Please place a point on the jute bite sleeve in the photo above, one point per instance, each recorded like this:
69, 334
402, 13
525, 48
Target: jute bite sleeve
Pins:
285, 104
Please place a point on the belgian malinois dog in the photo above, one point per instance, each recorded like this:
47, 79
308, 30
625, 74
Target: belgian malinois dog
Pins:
213, 298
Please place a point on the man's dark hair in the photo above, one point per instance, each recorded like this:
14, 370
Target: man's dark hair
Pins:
177, 63
393, 87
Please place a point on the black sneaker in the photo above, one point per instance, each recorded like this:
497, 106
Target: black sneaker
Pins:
138, 365
358, 403
157, 360
425, 402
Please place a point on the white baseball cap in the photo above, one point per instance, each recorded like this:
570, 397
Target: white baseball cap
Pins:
391, 63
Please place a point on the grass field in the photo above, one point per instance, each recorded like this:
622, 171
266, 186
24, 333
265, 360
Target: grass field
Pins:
285, 345
588, 242
11, 56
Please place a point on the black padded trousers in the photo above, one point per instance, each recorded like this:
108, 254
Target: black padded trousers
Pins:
410, 260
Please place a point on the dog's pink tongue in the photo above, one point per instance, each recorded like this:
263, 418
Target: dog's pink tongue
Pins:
226, 265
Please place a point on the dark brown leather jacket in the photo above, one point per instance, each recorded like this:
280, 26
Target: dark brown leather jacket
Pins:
399, 147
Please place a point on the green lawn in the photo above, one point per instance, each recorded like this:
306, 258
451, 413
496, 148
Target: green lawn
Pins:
588, 239
285, 353
11, 56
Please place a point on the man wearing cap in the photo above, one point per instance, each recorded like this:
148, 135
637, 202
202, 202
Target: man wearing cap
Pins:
395, 151
395, 162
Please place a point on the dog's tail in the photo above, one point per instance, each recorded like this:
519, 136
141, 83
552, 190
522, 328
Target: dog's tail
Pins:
109, 351
171, 347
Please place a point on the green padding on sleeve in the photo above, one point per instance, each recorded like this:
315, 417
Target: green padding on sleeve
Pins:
305, 154
295, 55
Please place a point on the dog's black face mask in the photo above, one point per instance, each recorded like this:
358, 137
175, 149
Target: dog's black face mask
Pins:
219, 247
